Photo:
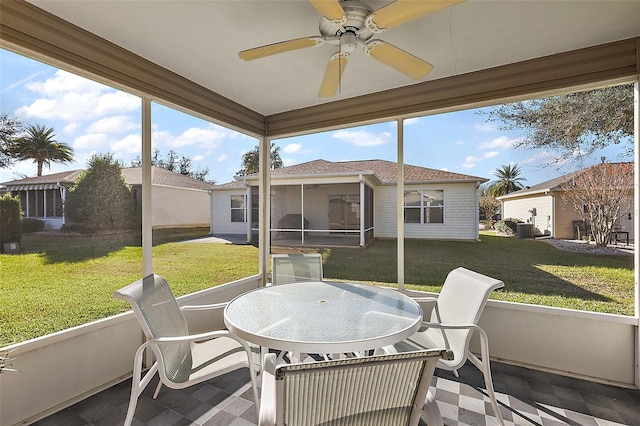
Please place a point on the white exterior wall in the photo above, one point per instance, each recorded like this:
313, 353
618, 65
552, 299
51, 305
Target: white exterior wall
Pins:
460, 213
179, 207
520, 209
221, 213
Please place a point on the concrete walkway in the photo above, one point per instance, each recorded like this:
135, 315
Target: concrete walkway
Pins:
221, 239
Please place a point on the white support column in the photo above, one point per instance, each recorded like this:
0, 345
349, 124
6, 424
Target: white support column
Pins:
265, 210
249, 206
147, 242
362, 206
302, 212
400, 204
636, 212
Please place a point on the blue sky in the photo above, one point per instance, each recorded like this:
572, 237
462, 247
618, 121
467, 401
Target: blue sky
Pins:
94, 118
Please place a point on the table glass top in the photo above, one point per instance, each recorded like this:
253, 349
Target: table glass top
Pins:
323, 313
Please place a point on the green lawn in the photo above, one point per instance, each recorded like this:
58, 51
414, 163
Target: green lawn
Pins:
61, 281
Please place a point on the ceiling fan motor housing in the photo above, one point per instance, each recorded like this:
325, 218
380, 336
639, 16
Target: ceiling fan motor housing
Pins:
356, 13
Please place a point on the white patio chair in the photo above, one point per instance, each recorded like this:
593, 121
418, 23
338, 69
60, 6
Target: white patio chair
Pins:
291, 268
453, 320
384, 390
182, 359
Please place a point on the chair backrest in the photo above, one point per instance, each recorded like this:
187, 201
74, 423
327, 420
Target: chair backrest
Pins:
159, 315
462, 299
291, 268
379, 390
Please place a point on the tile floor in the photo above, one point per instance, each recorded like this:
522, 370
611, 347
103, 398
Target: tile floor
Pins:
527, 397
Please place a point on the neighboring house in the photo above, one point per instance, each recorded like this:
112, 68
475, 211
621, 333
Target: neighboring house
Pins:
177, 200
350, 203
544, 206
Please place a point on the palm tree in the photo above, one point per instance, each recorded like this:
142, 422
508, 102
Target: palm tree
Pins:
40, 145
508, 180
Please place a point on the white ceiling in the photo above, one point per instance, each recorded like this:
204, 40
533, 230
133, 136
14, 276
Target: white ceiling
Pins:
200, 40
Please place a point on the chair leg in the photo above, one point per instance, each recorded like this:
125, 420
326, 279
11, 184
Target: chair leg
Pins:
485, 367
138, 385
433, 416
155, 394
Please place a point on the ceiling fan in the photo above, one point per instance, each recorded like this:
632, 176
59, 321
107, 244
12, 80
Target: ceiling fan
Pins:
351, 23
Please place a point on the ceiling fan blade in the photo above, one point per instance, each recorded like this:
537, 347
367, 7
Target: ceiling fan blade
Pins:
398, 59
333, 75
330, 9
281, 47
401, 11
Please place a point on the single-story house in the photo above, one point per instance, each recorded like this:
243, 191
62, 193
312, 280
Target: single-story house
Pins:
544, 206
350, 203
178, 200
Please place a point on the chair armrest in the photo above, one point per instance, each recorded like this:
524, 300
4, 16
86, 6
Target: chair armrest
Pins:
203, 307
195, 337
268, 407
427, 324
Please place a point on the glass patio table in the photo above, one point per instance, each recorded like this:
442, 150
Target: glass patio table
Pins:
323, 317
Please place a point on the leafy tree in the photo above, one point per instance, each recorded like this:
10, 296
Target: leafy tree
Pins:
580, 122
251, 160
175, 163
488, 206
100, 200
39, 145
508, 180
9, 128
601, 195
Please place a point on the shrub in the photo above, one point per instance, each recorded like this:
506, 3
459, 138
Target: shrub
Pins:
30, 224
10, 220
100, 200
508, 226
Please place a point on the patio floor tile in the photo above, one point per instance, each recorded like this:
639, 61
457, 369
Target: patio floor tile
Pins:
526, 397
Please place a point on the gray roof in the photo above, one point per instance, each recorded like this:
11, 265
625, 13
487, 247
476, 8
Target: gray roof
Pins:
554, 184
132, 175
384, 171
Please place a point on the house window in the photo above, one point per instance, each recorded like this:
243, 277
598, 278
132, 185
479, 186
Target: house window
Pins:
424, 206
238, 208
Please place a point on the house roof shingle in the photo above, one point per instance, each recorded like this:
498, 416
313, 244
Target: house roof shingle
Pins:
132, 175
385, 171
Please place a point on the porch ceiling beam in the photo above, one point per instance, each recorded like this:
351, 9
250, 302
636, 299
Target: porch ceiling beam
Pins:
591, 67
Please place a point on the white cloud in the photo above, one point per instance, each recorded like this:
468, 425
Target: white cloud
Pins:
362, 138
131, 144
72, 98
222, 158
289, 161
93, 141
503, 142
458, 143
485, 127
71, 128
198, 158
411, 121
113, 124
291, 148
472, 161
202, 138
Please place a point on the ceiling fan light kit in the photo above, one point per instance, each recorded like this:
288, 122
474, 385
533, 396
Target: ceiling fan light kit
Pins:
351, 23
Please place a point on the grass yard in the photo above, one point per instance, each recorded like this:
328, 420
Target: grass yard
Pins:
62, 281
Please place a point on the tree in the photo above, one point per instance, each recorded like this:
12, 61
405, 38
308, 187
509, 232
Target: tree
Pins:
580, 122
488, 206
251, 160
600, 195
9, 128
175, 163
508, 180
39, 145
100, 200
